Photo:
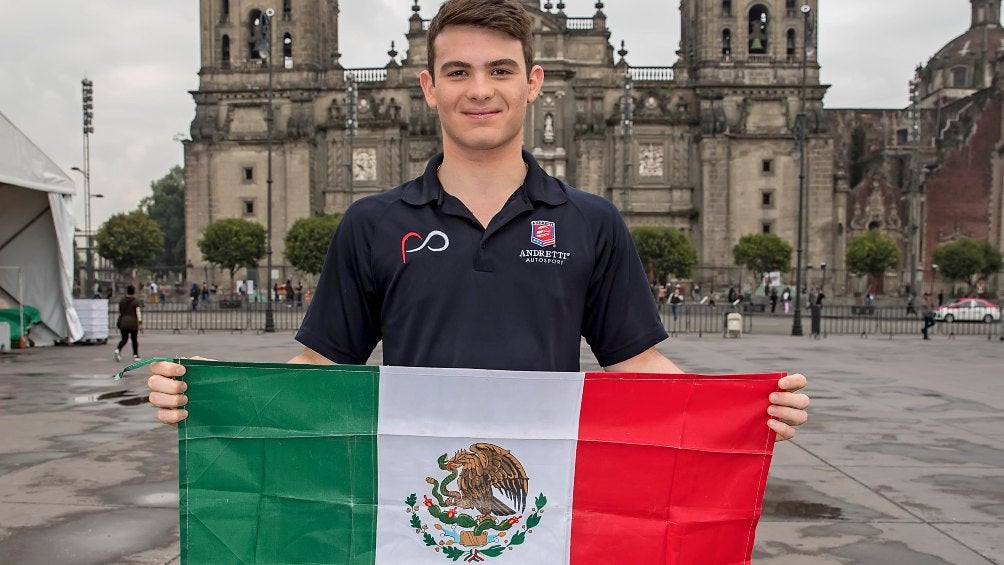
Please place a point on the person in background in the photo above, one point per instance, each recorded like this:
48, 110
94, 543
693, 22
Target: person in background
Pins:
675, 302
130, 322
927, 314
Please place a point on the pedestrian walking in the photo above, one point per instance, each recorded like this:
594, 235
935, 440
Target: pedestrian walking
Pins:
927, 313
786, 298
773, 300
130, 322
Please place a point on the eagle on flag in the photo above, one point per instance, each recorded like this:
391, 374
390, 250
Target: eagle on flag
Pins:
483, 469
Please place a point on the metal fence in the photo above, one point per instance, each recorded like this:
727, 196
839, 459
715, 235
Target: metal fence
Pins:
700, 319
215, 316
688, 319
890, 321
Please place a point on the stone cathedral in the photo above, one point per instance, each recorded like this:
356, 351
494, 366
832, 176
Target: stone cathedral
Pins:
706, 144
709, 149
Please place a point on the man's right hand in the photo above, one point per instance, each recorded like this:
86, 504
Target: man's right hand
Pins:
167, 393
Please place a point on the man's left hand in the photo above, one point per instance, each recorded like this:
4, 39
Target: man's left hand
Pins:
787, 408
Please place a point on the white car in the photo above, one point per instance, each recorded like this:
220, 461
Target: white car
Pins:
969, 310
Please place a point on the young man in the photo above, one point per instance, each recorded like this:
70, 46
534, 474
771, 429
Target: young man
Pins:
484, 261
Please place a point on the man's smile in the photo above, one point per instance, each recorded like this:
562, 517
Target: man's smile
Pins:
482, 114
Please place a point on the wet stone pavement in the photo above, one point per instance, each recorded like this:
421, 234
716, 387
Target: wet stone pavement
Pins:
901, 462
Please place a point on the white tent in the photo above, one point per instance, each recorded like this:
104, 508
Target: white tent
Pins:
36, 235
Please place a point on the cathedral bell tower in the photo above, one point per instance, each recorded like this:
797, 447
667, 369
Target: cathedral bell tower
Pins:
754, 68
228, 169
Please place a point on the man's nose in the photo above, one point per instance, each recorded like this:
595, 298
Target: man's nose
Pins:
480, 87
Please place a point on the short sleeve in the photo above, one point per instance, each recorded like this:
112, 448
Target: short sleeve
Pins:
621, 319
342, 322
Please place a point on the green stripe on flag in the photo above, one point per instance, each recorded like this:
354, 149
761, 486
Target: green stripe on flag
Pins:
285, 475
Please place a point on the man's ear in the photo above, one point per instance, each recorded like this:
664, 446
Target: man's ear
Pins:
536, 82
428, 88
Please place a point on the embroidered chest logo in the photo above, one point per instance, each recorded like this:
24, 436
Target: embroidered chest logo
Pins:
486, 515
542, 233
435, 242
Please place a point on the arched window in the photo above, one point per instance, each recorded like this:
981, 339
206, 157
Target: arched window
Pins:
790, 45
959, 78
726, 44
287, 50
225, 51
789, 7
759, 32
256, 38
287, 9
224, 10
726, 7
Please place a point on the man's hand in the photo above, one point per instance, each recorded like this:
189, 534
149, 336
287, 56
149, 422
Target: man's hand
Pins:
787, 408
167, 393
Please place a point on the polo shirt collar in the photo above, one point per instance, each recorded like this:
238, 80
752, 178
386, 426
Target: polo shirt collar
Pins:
538, 186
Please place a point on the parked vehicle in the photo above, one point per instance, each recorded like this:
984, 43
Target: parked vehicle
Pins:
969, 310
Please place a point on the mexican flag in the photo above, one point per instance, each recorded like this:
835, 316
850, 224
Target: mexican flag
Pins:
387, 465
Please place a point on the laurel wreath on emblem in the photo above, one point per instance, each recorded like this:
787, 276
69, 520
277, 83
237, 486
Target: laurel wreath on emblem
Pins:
467, 537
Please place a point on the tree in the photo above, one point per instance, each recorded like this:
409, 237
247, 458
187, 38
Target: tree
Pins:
233, 243
871, 253
762, 253
967, 260
664, 251
307, 242
129, 240
166, 206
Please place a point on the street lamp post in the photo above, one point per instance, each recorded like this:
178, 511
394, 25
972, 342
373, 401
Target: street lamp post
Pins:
89, 291
265, 23
87, 90
627, 130
800, 126
914, 182
822, 285
934, 275
351, 128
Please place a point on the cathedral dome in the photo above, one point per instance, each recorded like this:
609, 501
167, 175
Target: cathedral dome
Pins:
970, 46
965, 64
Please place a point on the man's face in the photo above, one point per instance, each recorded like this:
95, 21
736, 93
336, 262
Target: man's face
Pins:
481, 88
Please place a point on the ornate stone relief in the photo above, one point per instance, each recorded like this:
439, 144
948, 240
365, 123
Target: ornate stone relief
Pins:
650, 156
364, 163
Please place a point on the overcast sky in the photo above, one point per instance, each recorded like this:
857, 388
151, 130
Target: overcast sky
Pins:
143, 56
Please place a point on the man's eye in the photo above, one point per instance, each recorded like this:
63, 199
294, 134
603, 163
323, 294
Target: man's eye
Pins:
457, 73
501, 72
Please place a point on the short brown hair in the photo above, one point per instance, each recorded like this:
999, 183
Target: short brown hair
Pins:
506, 16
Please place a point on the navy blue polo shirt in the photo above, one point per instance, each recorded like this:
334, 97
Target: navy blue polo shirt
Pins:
413, 267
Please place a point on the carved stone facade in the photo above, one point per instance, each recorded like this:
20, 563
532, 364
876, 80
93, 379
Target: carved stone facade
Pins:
709, 150
930, 173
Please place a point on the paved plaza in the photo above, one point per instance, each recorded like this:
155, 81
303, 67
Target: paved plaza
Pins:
902, 460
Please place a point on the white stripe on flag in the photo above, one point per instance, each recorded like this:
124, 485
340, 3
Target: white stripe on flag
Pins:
532, 414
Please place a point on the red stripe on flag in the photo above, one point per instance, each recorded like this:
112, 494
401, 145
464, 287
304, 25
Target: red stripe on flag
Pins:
670, 469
